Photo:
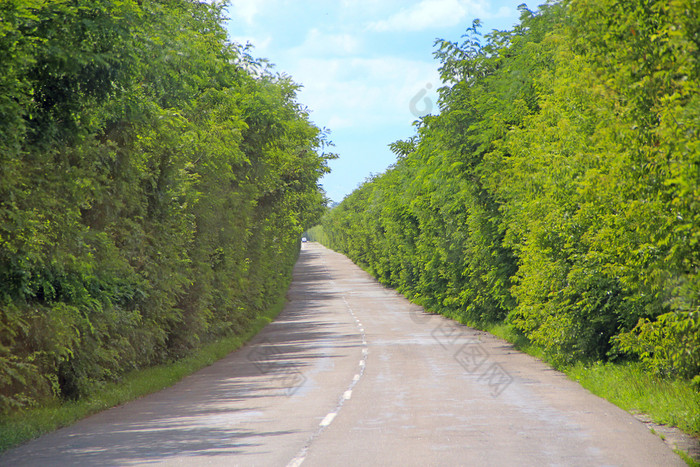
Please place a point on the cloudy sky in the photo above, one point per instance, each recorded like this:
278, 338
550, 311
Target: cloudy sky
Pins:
366, 66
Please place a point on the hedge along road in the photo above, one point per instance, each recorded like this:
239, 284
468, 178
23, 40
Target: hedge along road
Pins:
353, 374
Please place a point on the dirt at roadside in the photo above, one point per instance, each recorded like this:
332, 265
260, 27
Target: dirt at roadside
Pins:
673, 437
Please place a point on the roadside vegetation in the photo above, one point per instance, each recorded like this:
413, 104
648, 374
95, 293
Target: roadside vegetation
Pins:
556, 197
155, 180
628, 384
21, 426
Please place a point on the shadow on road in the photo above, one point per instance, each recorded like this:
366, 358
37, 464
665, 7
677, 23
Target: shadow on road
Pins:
209, 414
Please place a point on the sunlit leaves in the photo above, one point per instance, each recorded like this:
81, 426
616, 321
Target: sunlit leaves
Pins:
155, 181
558, 186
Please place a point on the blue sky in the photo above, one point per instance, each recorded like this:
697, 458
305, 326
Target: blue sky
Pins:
366, 66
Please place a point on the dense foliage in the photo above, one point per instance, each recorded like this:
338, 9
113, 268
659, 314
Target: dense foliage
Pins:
558, 189
154, 183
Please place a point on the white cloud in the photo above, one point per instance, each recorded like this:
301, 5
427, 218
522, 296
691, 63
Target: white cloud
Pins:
246, 9
503, 12
336, 122
428, 14
320, 43
367, 88
260, 46
364, 92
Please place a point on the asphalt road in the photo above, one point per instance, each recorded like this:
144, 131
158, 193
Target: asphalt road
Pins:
353, 374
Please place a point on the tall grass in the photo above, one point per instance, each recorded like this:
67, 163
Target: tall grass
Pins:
629, 386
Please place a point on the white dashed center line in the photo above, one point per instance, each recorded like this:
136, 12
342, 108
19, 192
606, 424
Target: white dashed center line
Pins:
328, 419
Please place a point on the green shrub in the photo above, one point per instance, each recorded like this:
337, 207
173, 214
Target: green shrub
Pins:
154, 182
669, 345
557, 189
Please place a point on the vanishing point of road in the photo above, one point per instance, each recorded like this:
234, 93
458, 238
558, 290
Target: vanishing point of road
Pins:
353, 374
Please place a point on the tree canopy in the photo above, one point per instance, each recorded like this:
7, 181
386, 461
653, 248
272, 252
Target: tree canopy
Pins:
558, 188
155, 180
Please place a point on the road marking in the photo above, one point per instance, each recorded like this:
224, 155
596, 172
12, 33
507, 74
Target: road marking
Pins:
328, 419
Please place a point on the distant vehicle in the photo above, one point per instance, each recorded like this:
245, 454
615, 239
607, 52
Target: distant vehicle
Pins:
303, 239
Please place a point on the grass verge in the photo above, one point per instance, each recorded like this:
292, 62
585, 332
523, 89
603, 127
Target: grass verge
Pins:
29, 424
688, 460
627, 385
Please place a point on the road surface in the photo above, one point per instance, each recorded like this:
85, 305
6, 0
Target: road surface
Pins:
352, 373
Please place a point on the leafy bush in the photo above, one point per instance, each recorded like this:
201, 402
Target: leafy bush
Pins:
669, 345
154, 183
557, 189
